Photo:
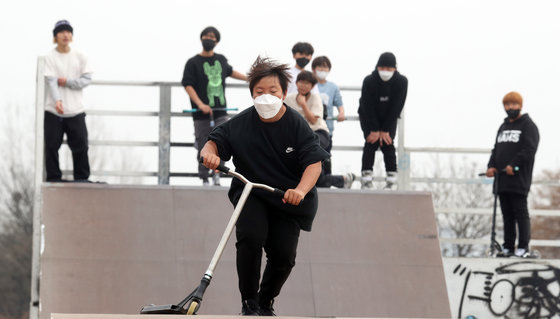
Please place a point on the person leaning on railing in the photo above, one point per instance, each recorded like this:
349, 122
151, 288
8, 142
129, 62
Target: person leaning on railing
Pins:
383, 95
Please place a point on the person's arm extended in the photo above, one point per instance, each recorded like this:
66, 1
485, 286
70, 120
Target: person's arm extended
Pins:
341, 115
238, 75
80, 83
206, 109
306, 183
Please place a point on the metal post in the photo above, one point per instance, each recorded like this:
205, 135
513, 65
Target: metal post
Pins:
403, 175
38, 196
164, 133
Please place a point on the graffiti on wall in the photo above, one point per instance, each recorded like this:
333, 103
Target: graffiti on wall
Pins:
523, 289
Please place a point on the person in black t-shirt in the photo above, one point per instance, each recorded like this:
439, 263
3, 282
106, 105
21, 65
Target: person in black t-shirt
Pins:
383, 96
514, 151
204, 79
272, 144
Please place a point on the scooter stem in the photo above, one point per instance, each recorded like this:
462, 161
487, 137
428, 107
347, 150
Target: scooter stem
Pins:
229, 228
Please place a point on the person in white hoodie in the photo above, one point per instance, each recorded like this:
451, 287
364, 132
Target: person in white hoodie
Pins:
67, 72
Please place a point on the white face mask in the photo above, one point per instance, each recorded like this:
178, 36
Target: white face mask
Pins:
322, 75
386, 75
267, 105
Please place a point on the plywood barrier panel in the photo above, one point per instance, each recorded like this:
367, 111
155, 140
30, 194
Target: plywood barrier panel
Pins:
112, 249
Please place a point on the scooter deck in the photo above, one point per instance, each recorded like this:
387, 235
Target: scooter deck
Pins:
163, 310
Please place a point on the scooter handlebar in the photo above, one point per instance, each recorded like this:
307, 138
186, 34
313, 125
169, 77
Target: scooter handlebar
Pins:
503, 170
279, 192
222, 168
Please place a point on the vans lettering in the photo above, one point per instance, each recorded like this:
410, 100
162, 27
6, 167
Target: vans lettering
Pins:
511, 136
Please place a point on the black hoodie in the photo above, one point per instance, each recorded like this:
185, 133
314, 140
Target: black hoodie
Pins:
516, 145
381, 102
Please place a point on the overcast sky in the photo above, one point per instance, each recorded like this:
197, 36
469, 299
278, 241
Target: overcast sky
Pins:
460, 57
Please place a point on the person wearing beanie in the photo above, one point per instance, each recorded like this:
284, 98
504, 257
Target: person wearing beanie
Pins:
204, 79
511, 164
382, 100
67, 72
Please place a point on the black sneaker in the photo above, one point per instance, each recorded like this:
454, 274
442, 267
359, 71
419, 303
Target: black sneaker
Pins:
250, 308
267, 309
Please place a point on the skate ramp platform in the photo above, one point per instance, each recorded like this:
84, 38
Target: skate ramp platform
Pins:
112, 249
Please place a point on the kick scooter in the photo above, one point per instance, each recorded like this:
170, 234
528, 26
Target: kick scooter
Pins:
191, 303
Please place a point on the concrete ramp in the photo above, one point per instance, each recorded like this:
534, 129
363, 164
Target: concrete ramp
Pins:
113, 249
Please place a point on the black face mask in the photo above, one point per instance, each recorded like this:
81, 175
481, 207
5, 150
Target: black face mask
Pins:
208, 44
513, 114
302, 62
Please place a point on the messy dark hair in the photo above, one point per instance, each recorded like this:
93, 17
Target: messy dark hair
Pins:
263, 67
303, 47
306, 76
321, 61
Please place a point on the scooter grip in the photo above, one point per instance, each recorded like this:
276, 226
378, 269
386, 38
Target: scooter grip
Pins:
281, 193
221, 167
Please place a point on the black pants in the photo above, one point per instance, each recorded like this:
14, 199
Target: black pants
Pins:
202, 129
516, 215
261, 226
389, 154
326, 179
77, 136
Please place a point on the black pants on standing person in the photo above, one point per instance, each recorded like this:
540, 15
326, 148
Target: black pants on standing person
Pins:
77, 136
260, 227
516, 215
389, 154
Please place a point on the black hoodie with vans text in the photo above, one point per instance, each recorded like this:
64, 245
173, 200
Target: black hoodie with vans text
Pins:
516, 145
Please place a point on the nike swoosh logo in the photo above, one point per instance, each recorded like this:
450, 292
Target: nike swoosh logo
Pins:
289, 150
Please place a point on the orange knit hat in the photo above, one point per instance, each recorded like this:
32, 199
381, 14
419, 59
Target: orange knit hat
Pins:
513, 97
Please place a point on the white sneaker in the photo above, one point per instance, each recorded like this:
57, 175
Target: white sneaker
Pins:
390, 181
522, 253
505, 253
367, 179
349, 180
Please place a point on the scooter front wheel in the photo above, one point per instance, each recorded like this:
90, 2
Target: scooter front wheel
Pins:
192, 308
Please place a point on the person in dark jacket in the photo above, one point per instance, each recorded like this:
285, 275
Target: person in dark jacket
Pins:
511, 163
269, 143
383, 96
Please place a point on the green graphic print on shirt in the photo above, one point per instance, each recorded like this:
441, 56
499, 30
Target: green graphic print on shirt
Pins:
215, 87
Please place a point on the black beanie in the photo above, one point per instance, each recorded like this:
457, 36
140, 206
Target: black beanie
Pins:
387, 59
61, 26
